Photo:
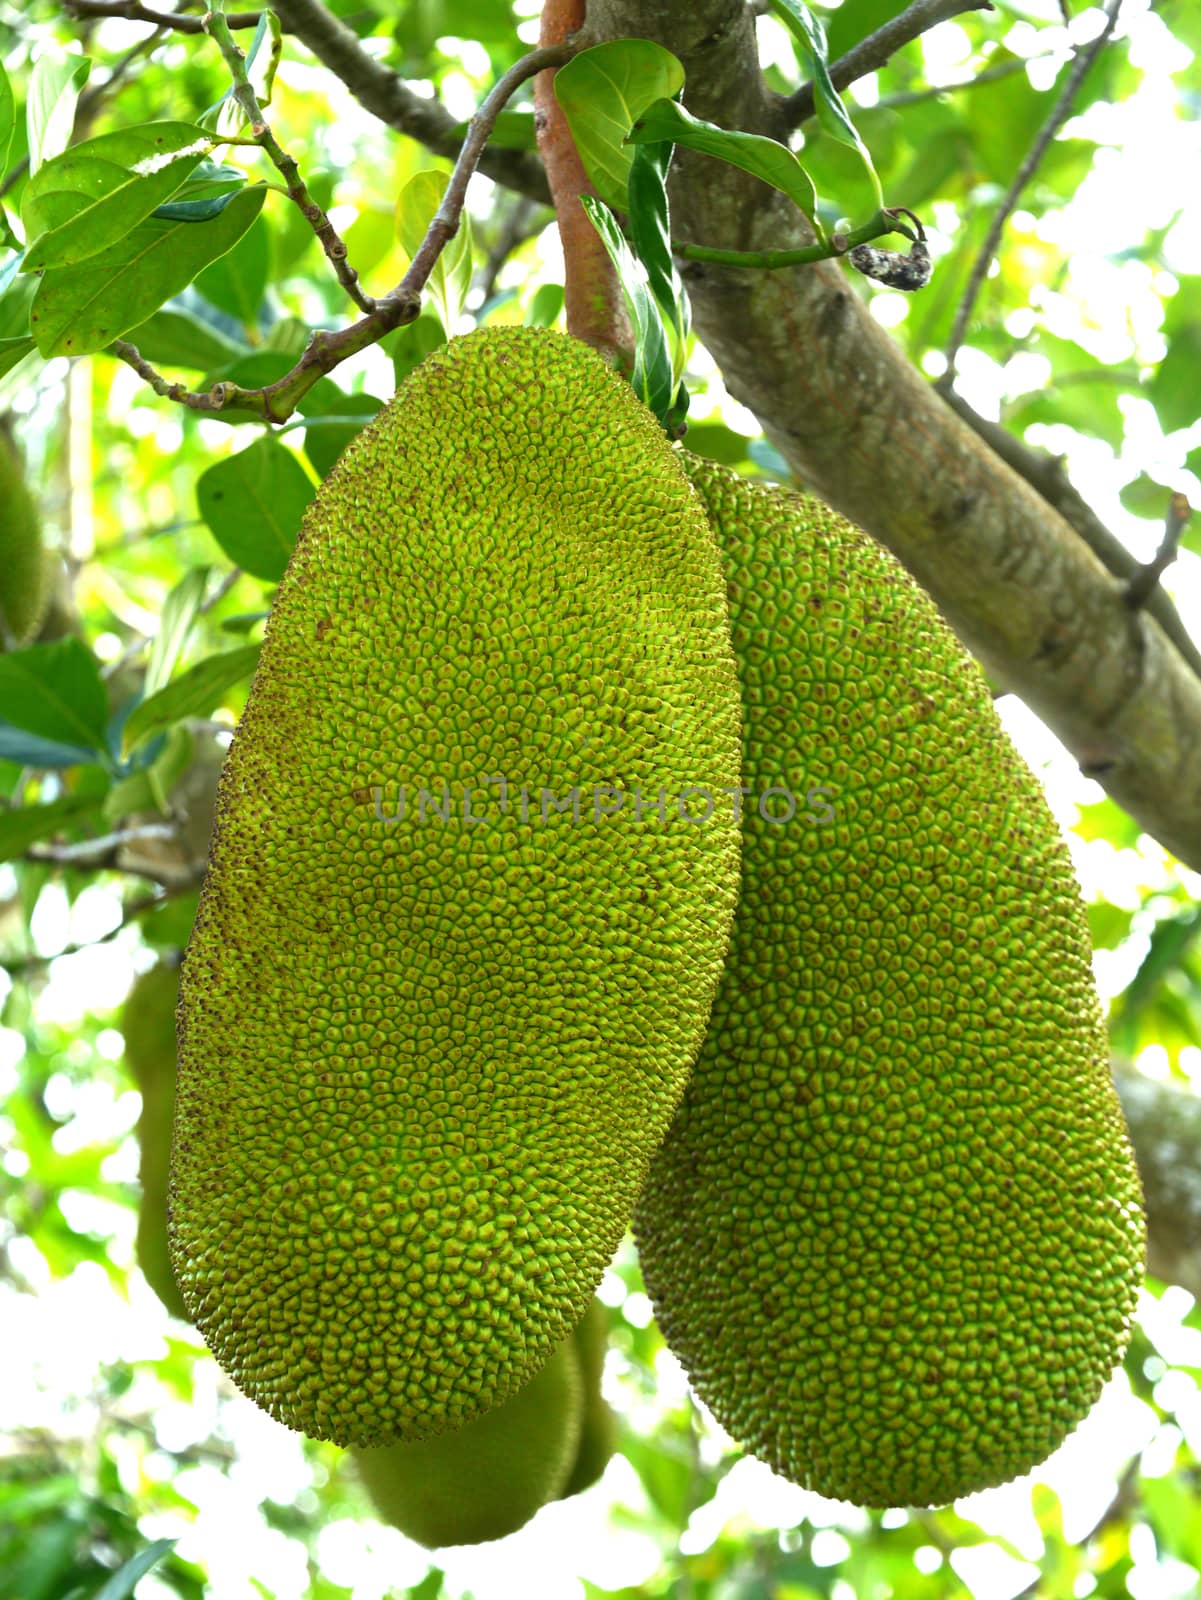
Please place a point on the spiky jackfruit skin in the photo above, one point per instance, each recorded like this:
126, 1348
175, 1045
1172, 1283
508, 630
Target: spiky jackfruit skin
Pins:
148, 1024
489, 1477
23, 569
894, 1235
598, 1425
424, 1064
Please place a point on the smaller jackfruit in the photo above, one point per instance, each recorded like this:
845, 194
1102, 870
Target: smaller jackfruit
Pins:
22, 557
149, 1029
489, 1477
598, 1425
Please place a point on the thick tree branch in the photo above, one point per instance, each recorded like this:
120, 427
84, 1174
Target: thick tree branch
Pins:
379, 90
865, 430
1165, 1128
1045, 472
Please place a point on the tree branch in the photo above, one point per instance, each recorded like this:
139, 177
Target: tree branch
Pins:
1059, 114
134, 11
1045, 473
591, 293
864, 429
1165, 1128
381, 92
874, 52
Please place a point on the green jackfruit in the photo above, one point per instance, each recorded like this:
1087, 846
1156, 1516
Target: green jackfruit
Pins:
489, 1477
429, 1046
23, 569
148, 1024
598, 1425
894, 1235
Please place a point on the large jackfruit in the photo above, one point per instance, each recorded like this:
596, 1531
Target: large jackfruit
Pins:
894, 1234
427, 1052
148, 1024
489, 1477
23, 569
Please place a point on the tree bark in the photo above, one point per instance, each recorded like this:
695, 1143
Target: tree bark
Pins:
860, 425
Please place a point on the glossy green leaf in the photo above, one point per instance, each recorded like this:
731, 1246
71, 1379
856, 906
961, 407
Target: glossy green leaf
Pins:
253, 503
832, 115
85, 307
55, 691
86, 199
764, 158
650, 235
603, 91
54, 86
193, 694
651, 379
449, 282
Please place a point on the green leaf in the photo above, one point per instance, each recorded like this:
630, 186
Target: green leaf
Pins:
31, 824
545, 306
175, 624
832, 115
409, 346
85, 307
450, 280
603, 91
29, 750
8, 118
193, 694
81, 202
55, 691
764, 158
650, 234
1173, 389
54, 86
651, 379
325, 440
173, 338
13, 351
237, 282
253, 503
124, 1581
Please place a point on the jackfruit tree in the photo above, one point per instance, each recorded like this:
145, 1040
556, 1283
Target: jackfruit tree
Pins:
654, 845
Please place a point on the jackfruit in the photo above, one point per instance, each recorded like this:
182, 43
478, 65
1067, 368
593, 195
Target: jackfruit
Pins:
464, 914
894, 1235
23, 569
148, 1024
489, 1477
598, 1425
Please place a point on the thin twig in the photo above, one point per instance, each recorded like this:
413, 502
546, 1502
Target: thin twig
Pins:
1003, 69
134, 11
385, 95
277, 401
334, 246
1059, 114
874, 52
92, 852
219, 592
1140, 587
